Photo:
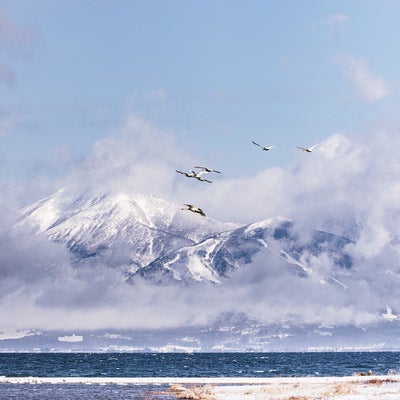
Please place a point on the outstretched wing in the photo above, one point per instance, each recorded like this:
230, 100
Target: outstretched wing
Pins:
190, 174
206, 170
259, 145
201, 179
308, 149
266, 148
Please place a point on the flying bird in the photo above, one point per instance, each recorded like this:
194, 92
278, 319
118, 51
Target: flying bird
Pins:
308, 149
194, 174
207, 170
191, 207
265, 148
191, 174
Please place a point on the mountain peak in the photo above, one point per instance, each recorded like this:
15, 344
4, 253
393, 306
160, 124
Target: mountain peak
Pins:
98, 224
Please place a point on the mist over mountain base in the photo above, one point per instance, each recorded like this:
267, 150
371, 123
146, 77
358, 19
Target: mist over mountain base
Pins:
221, 337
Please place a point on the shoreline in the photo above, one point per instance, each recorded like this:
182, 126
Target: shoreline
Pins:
197, 380
382, 387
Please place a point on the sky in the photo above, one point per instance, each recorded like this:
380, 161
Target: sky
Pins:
216, 75
119, 94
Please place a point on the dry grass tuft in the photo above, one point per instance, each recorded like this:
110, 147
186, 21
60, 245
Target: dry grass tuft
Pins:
192, 392
342, 389
380, 381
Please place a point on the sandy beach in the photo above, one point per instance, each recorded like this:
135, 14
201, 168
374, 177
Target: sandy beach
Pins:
384, 387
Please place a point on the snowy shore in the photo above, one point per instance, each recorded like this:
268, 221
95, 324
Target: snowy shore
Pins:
385, 387
328, 388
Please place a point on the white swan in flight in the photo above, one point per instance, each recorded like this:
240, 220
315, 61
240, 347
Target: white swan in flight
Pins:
308, 149
191, 207
265, 148
191, 174
205, 170
194, 174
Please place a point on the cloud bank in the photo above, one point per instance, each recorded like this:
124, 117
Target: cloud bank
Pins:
349, 186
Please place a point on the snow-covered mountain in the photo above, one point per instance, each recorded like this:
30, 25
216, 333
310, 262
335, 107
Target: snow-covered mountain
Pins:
118, 228
154, 239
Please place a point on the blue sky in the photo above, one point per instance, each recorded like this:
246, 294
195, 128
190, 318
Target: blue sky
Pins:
215, 74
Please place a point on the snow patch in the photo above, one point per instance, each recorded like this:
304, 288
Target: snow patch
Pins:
11, 334
70, 339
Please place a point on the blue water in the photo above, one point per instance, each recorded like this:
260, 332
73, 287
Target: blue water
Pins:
172, 365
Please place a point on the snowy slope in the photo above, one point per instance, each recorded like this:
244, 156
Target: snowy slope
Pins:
118, 228
218, 255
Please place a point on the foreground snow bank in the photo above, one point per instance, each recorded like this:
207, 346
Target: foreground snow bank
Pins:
331, 388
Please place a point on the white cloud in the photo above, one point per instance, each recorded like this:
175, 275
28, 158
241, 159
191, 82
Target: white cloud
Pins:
137, 156
369, 86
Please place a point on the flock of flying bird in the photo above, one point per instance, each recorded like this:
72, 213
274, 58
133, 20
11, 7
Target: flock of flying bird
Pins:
205, 170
